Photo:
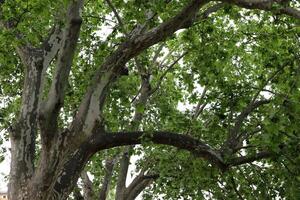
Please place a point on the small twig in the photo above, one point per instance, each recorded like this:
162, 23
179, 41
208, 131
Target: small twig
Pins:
200, 106
165, 58
166, 71
264, 85
157, 52
110, 4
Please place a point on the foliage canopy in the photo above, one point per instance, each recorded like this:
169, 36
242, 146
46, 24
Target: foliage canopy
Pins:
227, 77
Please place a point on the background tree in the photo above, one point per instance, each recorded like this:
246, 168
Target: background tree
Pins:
81, 78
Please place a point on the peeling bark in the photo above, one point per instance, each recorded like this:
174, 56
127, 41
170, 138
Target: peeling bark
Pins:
24, 131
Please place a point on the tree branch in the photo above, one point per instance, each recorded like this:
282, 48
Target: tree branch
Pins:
197, 147
200, 106
89, 110
77, 194
51, 107
211, 10
157, 52
139, 183
100, 141
134, 125
109, 166
52, 44
235, 188
119, 19
87, 186
233, 141
248, 159
139, 188
166, 71
268, 5
124, 164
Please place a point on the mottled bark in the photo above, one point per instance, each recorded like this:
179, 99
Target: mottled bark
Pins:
24, 132
23, 176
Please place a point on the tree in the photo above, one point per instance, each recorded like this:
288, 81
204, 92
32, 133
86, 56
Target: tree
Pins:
69, 91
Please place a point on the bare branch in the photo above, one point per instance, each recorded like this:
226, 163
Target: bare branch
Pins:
157, 52
251, 107
77, 194
134, 125
139, 188
234, 141
161, 64
266, 83
245, 147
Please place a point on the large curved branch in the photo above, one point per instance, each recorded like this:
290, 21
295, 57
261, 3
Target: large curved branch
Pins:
197, 147
268, 5
71, 169
73, 166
